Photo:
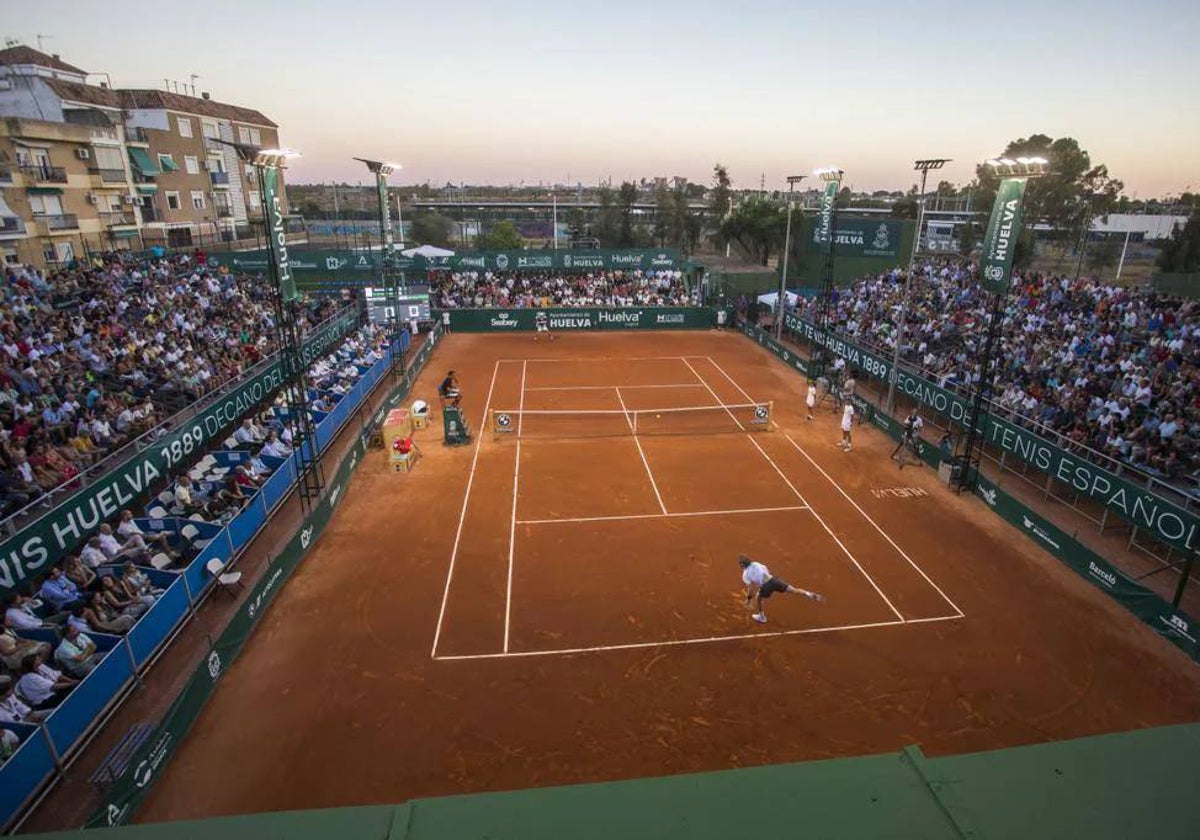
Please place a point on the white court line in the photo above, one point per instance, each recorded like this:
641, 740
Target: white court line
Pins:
800, 496
462, 515
512, 538
660, 515
596, 359
838, 487
638, 444
606, 387
875, 525
714, 393
680, 642
512, 527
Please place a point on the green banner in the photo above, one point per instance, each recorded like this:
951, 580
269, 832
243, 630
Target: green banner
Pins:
148, 763
1168, 522
823, 231
41, 544
859, 237
649, 318
352, 265
1000, 241
277, 232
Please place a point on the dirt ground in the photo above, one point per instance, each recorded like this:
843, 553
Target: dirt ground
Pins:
551, 607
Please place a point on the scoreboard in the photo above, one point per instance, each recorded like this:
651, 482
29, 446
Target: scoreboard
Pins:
413, 304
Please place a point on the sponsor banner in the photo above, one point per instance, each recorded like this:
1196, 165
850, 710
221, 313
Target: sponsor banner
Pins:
33, 549
127, 792
645, 318
1145, 604
1000, 241
1165, 520
858, 237
277, 232
357, 266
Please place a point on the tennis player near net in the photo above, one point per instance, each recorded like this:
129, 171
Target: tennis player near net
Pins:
541, 323
761, 585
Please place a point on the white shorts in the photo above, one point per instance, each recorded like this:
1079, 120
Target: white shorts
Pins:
811, 399
543, 328
845, 426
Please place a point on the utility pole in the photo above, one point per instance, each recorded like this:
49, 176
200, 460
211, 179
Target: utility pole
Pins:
780, 305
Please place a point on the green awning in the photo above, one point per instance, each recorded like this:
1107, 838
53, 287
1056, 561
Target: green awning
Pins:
124, 234
167, 164
44, 190
142, 161
144, 189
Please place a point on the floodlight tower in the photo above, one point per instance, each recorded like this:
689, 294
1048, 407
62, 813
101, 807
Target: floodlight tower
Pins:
267, 164
391, 278
826, 235
995, 270
787, 247
922, 166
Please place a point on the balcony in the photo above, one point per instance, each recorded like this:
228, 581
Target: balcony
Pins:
219, 179
118, 219
137, 137
150, 214
224, 211
58, 221
44, 173
5, 173
109, 176
11, 226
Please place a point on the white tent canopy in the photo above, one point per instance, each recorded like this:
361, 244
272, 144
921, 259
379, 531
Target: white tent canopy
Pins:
427, 251
771, 298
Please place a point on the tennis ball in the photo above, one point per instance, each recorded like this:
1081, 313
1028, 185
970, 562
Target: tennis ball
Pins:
658, 416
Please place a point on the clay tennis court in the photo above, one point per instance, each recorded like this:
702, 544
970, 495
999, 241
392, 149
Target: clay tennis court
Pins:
560, 601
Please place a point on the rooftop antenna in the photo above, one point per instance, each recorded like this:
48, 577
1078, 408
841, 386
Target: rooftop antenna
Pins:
193, 77
11, 42
41, 38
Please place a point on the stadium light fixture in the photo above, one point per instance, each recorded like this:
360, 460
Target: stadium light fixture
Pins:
792, 181
1022, 167
829, 173
380, 167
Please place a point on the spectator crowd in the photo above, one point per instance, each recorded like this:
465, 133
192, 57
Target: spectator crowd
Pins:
525, 290
95, 355
1110, 368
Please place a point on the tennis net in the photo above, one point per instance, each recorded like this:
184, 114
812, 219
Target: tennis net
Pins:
690, 420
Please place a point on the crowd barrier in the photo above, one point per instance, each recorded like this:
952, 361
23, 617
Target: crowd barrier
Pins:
149, 761
583, 318
28, 553
1160, 616
44, 750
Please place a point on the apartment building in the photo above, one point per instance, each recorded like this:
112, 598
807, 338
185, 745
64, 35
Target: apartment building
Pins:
86, 168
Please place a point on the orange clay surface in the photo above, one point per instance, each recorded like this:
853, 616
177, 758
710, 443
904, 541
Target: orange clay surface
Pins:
555, 608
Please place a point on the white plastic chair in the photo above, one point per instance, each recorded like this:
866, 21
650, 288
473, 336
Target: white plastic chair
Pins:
157, 512
166, 497
216, 568
230, 443
206, 462
160, 561
195, 517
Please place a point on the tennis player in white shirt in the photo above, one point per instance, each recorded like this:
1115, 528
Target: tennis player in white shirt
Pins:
761, 584
811, 399
847, 423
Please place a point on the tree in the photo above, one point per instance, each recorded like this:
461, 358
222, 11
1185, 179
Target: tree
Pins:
608, 218
626, 197
664, 211
905, 208
1103, 254
309, 209
1181, 252
757, 225
1069, 197
502, 237
432, 229
720, 199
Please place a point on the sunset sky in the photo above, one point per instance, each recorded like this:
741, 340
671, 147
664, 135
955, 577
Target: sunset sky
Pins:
578, 90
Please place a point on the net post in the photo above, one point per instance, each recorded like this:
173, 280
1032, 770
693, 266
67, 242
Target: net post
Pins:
635, 417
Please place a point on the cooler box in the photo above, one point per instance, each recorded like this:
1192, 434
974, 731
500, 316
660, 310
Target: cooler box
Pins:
420, 414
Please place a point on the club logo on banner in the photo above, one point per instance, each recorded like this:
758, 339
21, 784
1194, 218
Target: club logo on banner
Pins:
1000, 242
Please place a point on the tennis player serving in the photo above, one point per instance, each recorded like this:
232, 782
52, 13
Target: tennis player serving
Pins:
761, 585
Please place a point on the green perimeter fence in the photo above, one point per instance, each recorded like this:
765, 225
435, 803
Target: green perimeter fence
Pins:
583, 318
1160, 616
127, 792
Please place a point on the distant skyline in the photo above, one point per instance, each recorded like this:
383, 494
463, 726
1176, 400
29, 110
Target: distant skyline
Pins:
583, 91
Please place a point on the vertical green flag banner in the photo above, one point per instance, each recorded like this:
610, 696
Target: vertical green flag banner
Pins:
1000, 243
277, 232
823, 235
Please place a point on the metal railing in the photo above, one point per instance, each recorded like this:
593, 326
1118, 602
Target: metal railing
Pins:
219, 178
53, 497
136, 135
58, 221
11, 225
109, 176
44, 173
117, 218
